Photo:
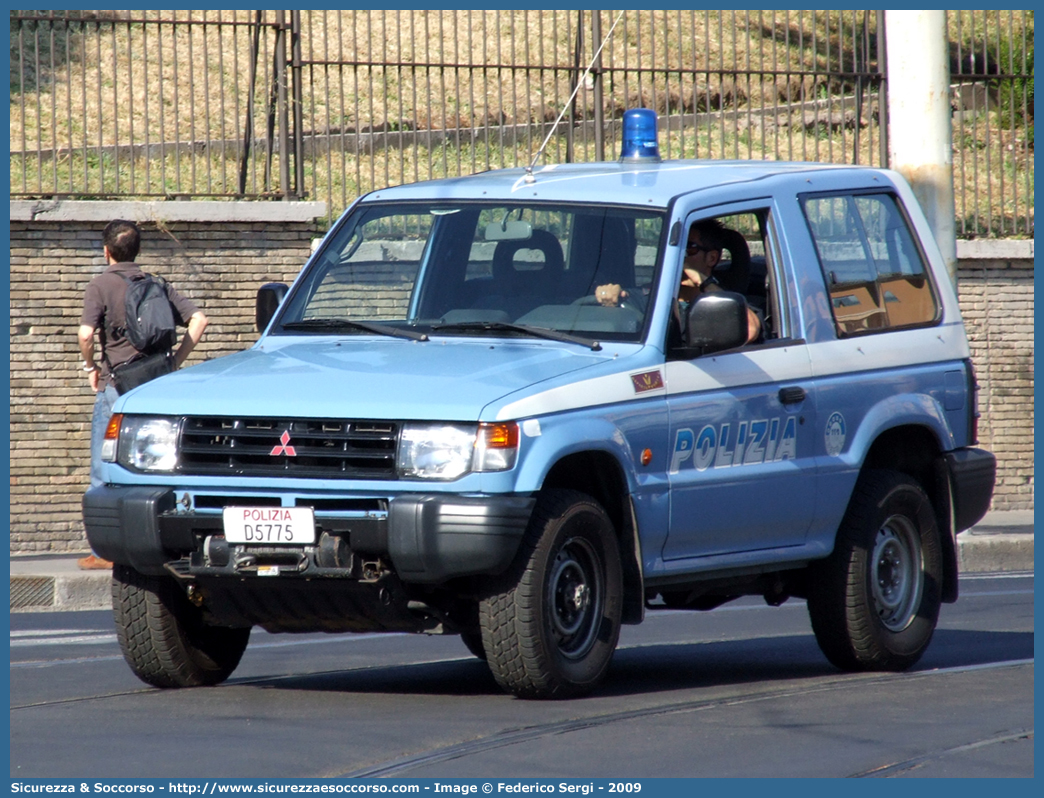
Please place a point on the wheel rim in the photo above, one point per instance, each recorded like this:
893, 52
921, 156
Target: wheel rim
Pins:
896, 576
575, 596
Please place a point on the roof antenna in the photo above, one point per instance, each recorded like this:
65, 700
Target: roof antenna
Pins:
529, 169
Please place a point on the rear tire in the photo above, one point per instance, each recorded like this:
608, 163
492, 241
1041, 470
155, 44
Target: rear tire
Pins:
874, 602
163, 636
551, 626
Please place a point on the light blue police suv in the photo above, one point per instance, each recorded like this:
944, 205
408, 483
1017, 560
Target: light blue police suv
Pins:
512, 407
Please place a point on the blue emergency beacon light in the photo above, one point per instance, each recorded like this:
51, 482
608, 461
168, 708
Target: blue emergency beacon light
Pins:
639, 136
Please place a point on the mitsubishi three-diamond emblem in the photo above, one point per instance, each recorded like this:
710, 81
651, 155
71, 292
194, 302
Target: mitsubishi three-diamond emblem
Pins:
283, 448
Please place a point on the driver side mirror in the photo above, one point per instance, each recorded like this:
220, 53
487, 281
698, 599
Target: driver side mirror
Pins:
269, 296
716, 322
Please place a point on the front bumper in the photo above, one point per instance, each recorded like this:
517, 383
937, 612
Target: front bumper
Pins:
428, 538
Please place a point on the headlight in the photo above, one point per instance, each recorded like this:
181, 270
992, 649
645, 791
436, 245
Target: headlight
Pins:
436, 451
449, 451
147, 444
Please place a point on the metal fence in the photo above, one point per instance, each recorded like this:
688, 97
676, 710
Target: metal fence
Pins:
331, 104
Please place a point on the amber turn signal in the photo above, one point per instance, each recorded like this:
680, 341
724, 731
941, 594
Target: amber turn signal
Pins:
112, 431
499, 436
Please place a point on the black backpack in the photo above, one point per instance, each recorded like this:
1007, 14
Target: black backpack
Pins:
150, 325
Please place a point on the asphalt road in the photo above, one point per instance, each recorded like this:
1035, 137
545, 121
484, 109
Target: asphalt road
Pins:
740, 691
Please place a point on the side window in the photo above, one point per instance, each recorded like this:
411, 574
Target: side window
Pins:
746, 265
873, 269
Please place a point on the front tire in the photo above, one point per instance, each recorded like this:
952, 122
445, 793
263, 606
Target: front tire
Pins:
874, 602
551, 627
165, 639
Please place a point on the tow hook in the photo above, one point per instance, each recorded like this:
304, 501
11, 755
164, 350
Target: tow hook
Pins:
373, 570
244, 561
195, 595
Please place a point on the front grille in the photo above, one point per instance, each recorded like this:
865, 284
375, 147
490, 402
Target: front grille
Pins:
298, 447
221, 502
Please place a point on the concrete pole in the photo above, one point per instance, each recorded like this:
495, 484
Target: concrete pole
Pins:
920, 138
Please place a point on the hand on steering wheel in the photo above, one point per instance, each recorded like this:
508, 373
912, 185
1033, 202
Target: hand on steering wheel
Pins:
611, 295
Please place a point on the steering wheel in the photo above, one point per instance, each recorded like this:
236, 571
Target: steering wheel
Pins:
590, 300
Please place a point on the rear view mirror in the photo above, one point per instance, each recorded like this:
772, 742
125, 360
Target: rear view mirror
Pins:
269, 296
717, 322
509, 231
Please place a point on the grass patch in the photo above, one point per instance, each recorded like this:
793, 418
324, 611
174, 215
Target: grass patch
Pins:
86, 86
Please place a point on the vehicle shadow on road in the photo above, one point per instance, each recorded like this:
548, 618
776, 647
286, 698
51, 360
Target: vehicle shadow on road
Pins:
662, 667
953, 648
658, 667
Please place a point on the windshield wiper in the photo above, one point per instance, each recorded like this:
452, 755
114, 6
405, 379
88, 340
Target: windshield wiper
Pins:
525, 329
349, 324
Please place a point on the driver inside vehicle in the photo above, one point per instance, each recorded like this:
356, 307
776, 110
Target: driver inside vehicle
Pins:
702, 253
610, 295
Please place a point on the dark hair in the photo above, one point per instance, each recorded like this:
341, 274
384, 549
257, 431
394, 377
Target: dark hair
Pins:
123, 239
712, 233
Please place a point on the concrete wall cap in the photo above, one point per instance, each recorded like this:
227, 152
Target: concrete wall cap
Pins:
164, 211
995, 249
245, 211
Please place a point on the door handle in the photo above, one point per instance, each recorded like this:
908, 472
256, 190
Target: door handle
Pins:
792, 395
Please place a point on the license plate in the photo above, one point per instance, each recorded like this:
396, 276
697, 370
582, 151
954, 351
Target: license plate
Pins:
267, 525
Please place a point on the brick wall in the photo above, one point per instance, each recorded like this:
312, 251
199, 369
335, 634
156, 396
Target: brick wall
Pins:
55, 251
220, 260
995, 285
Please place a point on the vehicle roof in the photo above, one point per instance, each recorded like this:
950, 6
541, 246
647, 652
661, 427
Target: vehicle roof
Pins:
649, 184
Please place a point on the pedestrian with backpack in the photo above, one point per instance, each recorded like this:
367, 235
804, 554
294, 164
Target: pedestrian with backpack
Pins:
135, 316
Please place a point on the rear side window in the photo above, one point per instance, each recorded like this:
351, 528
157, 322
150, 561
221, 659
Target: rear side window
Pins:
874, 271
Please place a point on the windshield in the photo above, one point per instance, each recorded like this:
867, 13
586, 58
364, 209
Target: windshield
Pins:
479, 269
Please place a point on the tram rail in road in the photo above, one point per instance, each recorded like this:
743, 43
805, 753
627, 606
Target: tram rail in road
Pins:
742, 690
